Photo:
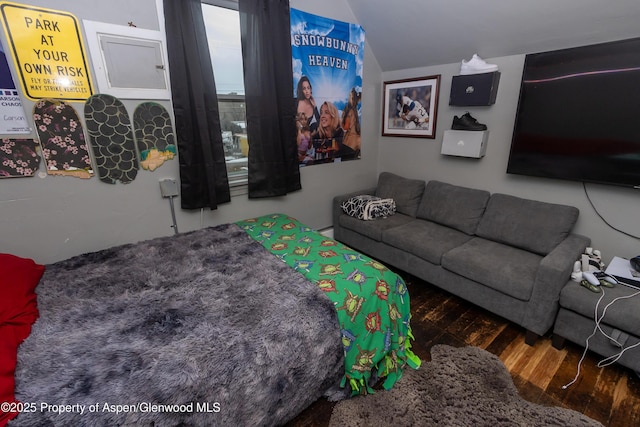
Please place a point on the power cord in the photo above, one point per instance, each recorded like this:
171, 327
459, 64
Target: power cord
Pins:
613, 358
586, 193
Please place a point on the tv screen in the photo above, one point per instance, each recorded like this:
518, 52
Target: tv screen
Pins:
578, 115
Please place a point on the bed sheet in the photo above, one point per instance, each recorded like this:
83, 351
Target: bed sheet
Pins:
372, 301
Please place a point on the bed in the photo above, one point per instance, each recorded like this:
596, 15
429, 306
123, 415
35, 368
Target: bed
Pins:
238, 324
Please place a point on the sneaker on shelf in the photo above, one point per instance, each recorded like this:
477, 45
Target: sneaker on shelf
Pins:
467, 122
476, 65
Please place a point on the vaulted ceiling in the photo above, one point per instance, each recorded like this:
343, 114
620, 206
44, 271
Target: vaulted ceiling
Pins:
416, 33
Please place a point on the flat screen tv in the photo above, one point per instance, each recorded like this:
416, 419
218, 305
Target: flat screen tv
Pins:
578, 115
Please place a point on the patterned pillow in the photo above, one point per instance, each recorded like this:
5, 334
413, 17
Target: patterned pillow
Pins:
18, 311
369, 207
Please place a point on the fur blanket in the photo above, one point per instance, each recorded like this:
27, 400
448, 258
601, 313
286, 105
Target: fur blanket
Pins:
459, 387
202, 328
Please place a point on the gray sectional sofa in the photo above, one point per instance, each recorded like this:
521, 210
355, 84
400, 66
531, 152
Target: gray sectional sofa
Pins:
509, 255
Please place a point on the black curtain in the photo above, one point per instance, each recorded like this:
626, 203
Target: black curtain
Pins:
203, 172
268, 82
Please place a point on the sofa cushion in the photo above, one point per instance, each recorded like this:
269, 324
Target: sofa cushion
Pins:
623, 314
406, 192
454, 206
424, 239
504, 268
373, 229
527, 224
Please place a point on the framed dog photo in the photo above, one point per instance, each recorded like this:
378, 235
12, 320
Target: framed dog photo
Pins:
410, 107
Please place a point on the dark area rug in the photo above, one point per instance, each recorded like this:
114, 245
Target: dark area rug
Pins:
465, 386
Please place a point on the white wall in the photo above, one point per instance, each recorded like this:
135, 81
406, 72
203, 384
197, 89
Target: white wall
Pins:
421, 158
50, 218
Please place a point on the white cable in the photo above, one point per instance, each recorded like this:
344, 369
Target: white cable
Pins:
604, 362
586, 347
614, 358
599, 319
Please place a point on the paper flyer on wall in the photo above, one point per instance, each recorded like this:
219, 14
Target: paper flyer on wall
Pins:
14, 120
327, 57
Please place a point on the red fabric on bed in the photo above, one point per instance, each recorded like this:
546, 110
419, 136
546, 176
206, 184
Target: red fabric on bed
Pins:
18, 311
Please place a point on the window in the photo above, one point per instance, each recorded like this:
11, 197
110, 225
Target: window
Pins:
222, 23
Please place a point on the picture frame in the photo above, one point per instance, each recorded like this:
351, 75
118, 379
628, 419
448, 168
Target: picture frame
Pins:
410, 107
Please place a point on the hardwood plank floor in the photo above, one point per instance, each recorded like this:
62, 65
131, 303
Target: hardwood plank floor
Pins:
610, 395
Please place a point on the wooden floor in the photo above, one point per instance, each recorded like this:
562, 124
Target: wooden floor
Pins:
610, 395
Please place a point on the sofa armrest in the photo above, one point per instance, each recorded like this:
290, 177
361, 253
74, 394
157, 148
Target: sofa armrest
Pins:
553, 274
337, 202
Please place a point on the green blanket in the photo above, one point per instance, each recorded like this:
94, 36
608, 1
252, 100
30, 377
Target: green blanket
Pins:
372, 302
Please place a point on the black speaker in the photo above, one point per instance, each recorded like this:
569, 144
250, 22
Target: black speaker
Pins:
635, 263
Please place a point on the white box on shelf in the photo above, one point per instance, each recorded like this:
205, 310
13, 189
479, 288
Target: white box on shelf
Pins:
465, 143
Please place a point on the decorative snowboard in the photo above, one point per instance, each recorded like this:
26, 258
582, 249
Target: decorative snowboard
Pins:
18, 157
154, 135
111, 138
63, 146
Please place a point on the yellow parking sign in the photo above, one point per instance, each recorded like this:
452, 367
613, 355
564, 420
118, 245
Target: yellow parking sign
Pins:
48, 52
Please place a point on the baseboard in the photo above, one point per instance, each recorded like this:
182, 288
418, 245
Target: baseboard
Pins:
328, 232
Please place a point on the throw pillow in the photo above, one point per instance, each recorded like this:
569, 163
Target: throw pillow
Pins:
18, 280
18, 310
368, 207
